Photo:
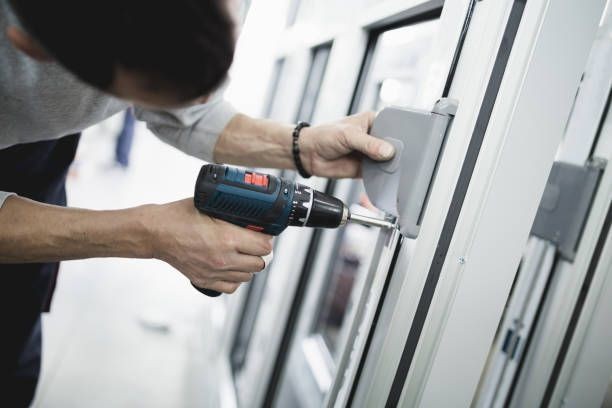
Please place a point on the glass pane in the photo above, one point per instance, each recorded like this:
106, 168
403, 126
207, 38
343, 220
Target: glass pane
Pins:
399, 66
397, 70
354, 253
394, 74
277, 72
322, 13
256, 287
320, 55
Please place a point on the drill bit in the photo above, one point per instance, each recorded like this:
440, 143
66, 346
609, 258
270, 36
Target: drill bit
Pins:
373, 222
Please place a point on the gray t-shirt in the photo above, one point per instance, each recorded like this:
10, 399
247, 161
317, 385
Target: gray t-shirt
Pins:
43, 101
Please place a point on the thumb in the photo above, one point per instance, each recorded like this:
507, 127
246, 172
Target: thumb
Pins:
373, 147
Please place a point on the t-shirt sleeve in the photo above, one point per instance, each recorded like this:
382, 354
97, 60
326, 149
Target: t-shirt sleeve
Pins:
193, 130
3, 196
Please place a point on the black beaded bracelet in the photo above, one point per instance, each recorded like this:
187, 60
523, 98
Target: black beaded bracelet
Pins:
296, 149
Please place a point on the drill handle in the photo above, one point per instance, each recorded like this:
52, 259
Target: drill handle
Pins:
207, 292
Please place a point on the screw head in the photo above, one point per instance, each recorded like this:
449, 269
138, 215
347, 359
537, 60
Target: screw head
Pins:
462, 260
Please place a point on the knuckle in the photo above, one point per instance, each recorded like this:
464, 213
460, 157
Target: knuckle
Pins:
217, 261
201, 283
267, 246
232, 288
228, 239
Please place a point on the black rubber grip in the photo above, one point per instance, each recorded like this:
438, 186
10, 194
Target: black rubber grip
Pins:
207, 292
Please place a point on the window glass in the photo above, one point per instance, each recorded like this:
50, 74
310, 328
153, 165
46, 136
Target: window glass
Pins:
320, 56
396, 72
277, 72
321, 13
395, 68
398, 67
354, 253
257, 285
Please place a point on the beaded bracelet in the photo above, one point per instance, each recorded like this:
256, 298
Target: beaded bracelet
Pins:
296, 149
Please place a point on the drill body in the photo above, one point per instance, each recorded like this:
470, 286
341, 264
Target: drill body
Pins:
268, 204
263, 202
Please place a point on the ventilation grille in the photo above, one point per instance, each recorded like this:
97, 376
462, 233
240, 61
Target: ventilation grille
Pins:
238, 206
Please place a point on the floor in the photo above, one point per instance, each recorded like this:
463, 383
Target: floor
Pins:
125, 333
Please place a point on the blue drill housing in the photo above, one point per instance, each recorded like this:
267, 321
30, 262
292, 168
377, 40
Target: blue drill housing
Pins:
224, 193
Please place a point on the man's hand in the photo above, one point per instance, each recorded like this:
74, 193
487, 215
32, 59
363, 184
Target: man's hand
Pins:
211, 253
336, 149
329, 150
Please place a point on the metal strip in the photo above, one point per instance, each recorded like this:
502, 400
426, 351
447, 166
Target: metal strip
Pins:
366, 348
584, 291
484, 115
530, 335
602, 121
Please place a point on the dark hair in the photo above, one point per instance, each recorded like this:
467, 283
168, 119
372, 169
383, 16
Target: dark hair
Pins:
182, 46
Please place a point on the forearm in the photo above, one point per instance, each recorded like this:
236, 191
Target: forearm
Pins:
253, 142
35, 232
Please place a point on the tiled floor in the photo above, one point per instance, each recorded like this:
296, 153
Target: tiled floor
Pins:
126, 333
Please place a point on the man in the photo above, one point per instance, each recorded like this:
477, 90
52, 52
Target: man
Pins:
67, 64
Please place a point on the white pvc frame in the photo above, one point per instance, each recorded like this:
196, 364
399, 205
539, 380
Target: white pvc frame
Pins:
568, 277
534, 99
503, 194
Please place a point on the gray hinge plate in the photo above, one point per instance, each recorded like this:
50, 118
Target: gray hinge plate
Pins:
400, 186
565, 205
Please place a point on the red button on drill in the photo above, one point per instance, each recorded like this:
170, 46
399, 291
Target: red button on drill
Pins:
256, 179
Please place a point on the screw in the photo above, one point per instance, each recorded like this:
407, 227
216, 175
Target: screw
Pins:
461, 260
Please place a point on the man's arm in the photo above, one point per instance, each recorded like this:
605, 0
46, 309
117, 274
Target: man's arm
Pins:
35, 232
215, 132
329, 150
210, 253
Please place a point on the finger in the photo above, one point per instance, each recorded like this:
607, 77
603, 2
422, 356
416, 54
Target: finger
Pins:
217, 285
373, 147
234, 276
224, 287
254, 243
245, 263
247, 241
364, 120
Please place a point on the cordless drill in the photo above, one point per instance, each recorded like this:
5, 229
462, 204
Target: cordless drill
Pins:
267, 203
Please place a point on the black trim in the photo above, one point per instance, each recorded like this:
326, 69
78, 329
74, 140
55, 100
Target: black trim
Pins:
455, 61
429, 10
602, 121
459, 194
584, 291
374, 322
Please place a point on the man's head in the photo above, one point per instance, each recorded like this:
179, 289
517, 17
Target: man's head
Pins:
155, 53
